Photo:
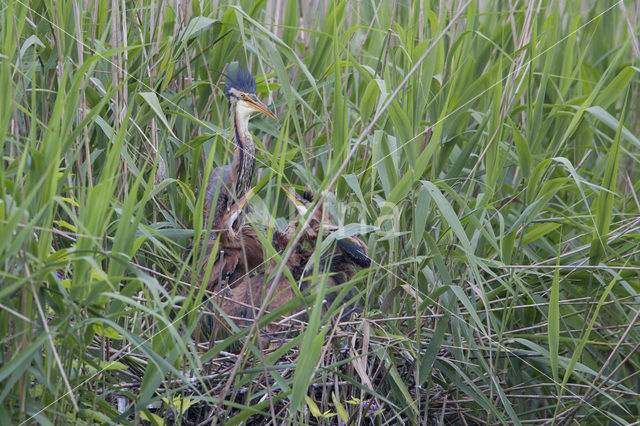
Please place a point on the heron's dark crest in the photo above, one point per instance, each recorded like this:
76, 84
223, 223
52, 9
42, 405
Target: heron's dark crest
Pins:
239, 80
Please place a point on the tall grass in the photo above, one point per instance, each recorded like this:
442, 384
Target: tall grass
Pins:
490, 148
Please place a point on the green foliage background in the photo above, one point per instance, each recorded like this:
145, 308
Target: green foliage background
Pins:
491, 147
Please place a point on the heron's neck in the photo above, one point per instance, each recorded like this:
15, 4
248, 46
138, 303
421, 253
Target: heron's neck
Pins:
244, 153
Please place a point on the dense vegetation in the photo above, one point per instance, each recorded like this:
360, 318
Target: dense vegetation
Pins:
488, 150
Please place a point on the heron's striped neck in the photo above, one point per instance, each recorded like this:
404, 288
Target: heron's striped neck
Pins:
243, 155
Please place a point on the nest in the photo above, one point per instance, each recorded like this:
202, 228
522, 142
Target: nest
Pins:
246, 381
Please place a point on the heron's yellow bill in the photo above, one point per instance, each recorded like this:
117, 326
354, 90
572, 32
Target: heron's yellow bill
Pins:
293, 196
259, 106
300, 203
246, 197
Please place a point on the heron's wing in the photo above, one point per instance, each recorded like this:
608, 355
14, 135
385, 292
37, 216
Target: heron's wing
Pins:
355, 249
224, 263
219, 183
208, 246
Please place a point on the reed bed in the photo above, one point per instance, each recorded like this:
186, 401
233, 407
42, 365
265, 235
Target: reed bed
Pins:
487, 153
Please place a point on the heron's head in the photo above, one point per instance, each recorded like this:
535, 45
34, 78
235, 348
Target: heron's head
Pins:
241, 92
301, 202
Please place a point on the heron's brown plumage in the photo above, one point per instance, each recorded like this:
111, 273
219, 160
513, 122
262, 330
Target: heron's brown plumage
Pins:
246, 298
243, 252
338, 263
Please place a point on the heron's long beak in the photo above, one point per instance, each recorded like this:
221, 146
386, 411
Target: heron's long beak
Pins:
246, 197
259, 106
237, 207
295, 198
292, 195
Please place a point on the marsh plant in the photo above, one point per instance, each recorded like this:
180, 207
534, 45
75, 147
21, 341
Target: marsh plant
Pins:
486, 152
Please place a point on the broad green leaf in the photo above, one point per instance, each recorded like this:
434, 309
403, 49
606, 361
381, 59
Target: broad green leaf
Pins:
539, 231
313, 408
196, 26
608, 120
606, 198
611, 93
342, 412
368, 101
352, 181
429, 357
522, 148
448, 214
554, 325
151, 99
420, 213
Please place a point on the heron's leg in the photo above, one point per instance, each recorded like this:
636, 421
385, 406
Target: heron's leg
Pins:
224, 278
221, 264
227, 289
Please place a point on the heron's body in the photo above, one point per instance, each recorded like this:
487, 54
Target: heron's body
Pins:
238, 252
238, 255
232, 181
241, 253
